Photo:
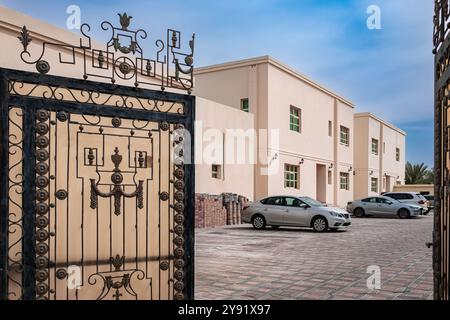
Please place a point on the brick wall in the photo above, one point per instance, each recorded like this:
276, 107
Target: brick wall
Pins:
218, 210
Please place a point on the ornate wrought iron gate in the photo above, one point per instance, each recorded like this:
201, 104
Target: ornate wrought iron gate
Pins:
96, 191
441, 40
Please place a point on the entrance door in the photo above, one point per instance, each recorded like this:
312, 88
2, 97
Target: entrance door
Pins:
388, 184
321, 183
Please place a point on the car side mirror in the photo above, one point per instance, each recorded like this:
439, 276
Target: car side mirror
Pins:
304, 206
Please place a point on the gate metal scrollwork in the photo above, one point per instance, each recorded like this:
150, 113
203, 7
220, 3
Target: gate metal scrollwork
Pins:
117, 280
124, 62
94, 191
117, 192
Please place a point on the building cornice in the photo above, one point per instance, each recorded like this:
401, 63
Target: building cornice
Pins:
275, 63
374, 117
47, 32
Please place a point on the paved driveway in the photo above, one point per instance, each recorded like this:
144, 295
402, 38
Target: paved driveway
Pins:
237, 262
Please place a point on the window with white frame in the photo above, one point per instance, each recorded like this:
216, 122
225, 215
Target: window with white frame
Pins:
245, 105
345, 136
397, 154
216, 171
344, 181
291, 176
295, 119
375, 147
374, 184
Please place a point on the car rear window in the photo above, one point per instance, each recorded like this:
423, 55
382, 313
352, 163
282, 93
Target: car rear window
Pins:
400, 196
395, 196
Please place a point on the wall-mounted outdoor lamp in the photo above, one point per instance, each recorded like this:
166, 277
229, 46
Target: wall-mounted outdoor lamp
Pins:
371, 172
275, 157
302, 161
330, 167
351, 169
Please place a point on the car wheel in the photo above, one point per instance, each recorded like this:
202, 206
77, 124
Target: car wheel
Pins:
259, 222
404, 214
275, 227
320, 224
359, 212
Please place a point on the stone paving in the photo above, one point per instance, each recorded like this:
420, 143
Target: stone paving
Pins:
237, 262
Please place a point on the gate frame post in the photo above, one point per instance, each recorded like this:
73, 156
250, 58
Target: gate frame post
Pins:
29, 218
3, 187
190, 206
437, 190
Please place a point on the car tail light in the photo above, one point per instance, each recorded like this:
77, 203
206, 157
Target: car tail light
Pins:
421, 202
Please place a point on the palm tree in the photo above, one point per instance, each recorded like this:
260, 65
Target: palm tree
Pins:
429, 179
417, 174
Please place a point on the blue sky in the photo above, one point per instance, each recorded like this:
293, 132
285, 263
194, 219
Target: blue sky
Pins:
388, 72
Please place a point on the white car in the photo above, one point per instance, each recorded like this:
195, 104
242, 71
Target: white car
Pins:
410, 198
295, 212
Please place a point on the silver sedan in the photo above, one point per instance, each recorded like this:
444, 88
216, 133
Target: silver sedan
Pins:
383, 206
295, 212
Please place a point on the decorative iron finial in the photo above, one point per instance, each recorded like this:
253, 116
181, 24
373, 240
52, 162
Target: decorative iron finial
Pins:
125, 20
24, 38
116, 159
117, 262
